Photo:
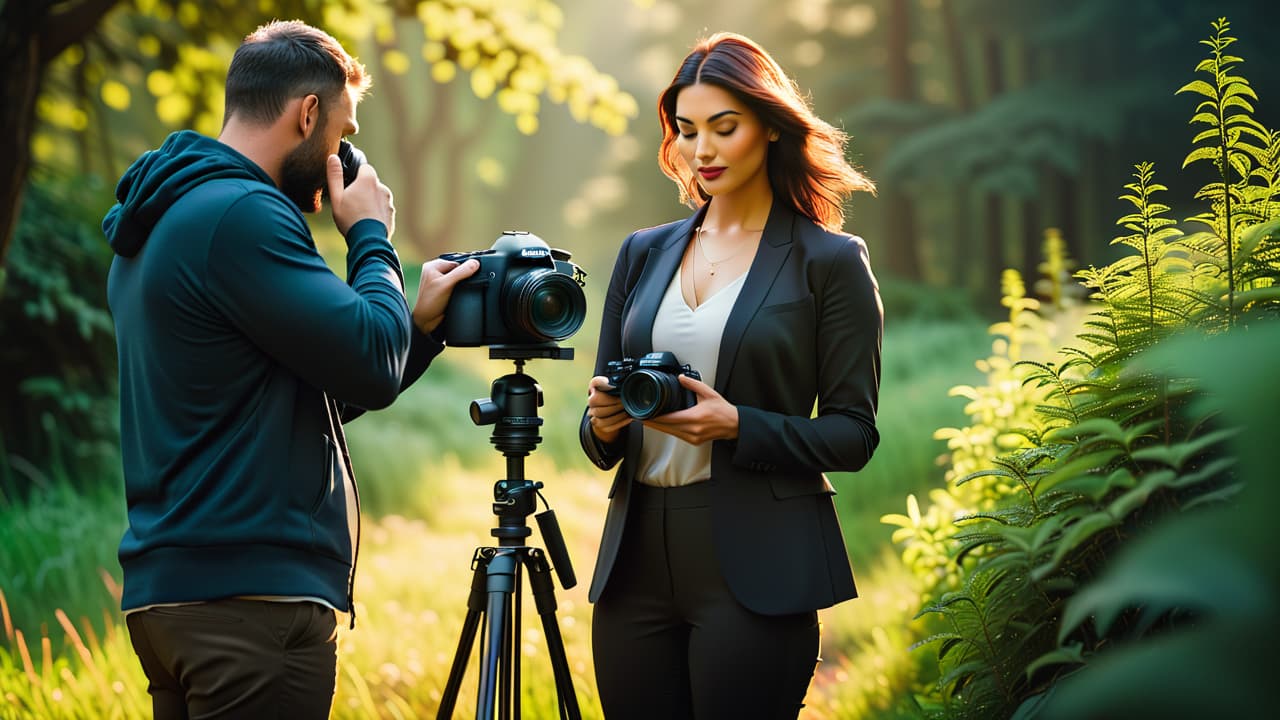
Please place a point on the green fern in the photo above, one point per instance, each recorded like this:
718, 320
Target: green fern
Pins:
1098, 445
1234, 143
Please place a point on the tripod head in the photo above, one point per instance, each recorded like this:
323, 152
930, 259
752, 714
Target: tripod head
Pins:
512, 408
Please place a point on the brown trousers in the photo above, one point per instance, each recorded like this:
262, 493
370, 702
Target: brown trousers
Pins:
238, 659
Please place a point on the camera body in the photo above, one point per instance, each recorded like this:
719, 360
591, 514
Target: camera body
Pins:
352, 158
525, 293
650, 386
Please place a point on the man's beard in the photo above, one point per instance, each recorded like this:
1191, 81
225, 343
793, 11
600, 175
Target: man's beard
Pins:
304, 173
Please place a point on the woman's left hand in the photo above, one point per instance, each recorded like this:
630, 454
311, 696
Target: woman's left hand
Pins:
712, 418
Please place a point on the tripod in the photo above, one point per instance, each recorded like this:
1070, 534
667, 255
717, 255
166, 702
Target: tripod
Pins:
495, 597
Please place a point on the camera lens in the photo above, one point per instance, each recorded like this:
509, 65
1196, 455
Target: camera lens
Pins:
647, 393
546, 304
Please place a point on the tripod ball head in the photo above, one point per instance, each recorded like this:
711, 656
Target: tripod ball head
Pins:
512, 408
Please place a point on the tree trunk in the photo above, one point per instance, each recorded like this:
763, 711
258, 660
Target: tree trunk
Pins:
993, 77
31, 35
1032, 235
902, 238
958, 273
20, 55
993, 228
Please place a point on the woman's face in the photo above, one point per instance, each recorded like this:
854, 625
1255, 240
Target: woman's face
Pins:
721, 140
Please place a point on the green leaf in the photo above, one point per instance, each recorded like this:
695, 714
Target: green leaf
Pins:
961, 672
1080, 465
1212, 154
1072, 654
1097, 428
1122, 506
1223, 494
935, 638
1175, 456
1200, 87
1211, 133
1096, 486
990, 472
1205, 117
1263, 294
1073, 537
1181, 564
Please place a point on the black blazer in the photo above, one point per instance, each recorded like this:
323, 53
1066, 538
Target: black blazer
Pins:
806, 326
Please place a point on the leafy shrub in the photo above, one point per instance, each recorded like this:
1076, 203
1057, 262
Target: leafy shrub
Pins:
58, 388
1016, 554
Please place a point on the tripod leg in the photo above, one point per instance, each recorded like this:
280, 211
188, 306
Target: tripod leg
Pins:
511, 681
544, 599
500, 587
475, 609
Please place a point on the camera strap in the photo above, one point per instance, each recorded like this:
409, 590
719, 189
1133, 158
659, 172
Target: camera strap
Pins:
351, 495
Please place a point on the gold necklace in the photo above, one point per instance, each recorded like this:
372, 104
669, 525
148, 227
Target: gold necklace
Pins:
713, 264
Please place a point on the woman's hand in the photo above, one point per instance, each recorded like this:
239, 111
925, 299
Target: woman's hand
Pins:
604, 411
712, 418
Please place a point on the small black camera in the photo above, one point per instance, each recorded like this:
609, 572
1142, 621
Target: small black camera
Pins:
650, 386
352, 158
525, 293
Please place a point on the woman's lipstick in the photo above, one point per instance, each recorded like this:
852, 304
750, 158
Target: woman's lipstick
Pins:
711, 173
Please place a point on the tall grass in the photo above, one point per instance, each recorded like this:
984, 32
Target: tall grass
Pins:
57, 547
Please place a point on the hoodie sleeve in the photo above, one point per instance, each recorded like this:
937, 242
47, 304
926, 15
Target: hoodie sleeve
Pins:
349, 340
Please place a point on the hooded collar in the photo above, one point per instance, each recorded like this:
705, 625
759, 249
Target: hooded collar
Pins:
159, 178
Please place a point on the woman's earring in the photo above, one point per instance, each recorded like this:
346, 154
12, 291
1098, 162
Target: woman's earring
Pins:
773, 136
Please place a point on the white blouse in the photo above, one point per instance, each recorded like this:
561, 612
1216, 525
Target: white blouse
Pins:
694, 337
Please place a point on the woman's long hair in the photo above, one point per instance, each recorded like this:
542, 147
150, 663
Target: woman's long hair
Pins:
806, 165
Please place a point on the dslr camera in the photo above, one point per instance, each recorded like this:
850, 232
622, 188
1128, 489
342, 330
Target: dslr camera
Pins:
650, 386
525, 293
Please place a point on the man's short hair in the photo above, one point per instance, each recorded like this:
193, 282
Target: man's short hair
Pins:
283, 60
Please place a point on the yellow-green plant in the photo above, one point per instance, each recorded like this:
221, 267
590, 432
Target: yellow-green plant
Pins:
1001, 414
1056, 267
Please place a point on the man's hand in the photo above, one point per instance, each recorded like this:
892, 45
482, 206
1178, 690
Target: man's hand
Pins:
364, 198
438, 280
604, 411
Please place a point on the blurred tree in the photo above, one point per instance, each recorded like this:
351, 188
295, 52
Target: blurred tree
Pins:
1064, 85
901, 235
512, 58
32, 34
76, 62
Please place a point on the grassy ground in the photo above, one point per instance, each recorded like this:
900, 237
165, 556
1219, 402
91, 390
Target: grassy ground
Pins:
426, 474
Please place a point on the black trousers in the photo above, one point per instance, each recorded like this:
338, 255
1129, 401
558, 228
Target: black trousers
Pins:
238, 659
669, 639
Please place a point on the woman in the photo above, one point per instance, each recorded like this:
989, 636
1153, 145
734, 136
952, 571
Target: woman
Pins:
721, 540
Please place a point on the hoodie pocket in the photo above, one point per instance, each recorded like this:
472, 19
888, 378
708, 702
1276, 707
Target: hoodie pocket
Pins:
329, 481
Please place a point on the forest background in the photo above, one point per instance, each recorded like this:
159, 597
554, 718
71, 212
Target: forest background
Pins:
1001, 135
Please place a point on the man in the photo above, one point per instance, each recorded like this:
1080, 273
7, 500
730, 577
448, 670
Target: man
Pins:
241, 354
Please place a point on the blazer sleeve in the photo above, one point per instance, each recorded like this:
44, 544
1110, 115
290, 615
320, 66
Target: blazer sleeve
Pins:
606, 455
843, 435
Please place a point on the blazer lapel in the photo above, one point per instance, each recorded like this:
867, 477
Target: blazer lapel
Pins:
775, 246
659, 267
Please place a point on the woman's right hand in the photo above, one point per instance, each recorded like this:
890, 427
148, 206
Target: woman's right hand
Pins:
604, 411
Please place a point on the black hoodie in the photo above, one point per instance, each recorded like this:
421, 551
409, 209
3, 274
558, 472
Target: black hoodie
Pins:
239, 350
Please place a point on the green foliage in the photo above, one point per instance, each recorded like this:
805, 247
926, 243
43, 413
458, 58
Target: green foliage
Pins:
1001, 414
175, 53
1216, 566
1013, 557
59, 419
60, 551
